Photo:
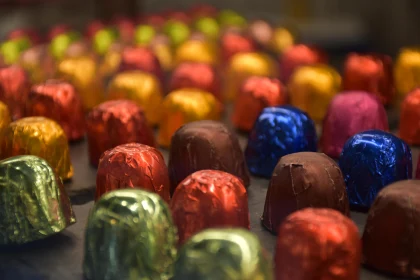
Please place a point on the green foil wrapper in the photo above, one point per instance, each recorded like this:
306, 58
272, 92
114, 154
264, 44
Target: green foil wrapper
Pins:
229, 18
178, 32
33, 203
60, 43
130, 235
103, 40
144, 34
11, 50
208, 26
223, 254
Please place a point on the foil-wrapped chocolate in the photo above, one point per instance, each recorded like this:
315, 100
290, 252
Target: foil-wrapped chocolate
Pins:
38, 63
196, 75
196, 51
245, 65
60, 43
125, 29
183, 106
207, 26
132, 165
40, 137
261, 32
202, 10
370, 161
11, 50
58, 101
93, 27
282, 39
130, 234
350, 113
301, 180
30, 33
5, 120
177, 31
35, 204
219, 191
232, 43
140, 87
110, 62
57, 30
318, 244
277, 132
299, 55
230, 18
144, 34
82, 72
407, 70
103, 39
205, 145
256, 94
114, 123
372, 73
311, 89
409, 128
164, 54
14, 89
229, 254
390, 236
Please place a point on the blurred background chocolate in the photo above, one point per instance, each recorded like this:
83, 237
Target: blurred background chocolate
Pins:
201, 51
407, 71
38, 63
219, 191
230, 18
204, 145
177, 31
390, 239
318, 244
261, 32
232, 43
40, 137
223, 254
58, 101
11, 50
132, 165
278, 131
103, 39
60, 43
370, 160
130, 232
350, 113
409, 126
282, 39
302, 180
207, 26
29, 182
114, 123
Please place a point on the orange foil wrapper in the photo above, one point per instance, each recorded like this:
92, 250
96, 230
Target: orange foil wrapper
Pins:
256, 94
42, 137
114, 123
233, 43
409, 118
197, 51
243, 66
209, 199
14, 89
318, 244
299, 55
140, 87
184, 106
132, 165
58, 101
196, 75
371, 73
407, 70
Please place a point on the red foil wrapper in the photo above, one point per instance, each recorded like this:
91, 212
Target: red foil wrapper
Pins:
372, 73
14, 89
209, 199
177, 16
58, 30
256, 94
132, 165
114, 123
203, 10
93, 27
299, 55
196, 75
153, 19
59, 101
409, 118
350, 113
318, 244
233, 43
30, 33
125, 27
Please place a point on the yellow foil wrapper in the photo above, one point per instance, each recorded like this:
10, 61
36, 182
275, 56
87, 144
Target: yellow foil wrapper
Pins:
311, 89
407, 70
110, 62
165, 56
243, 66
282, 39
184, 106
140, 87
40, 137
82, 72
197, 51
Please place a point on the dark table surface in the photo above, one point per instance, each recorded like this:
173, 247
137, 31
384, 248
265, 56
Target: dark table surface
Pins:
61, 256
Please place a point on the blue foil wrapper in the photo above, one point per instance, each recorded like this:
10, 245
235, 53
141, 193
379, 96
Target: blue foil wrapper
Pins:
370, 161
278, 131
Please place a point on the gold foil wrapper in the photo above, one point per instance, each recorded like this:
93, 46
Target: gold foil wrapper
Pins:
110, 62
40, 137
165, 55
184, 106
142, 88
5, 120
197, 51
82, 72
243, 66
407, 70
311, 89
281, 40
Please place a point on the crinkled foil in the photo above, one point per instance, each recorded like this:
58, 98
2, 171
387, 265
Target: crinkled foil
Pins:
197, 51
132, 165
278, 131
40, 137
232, 43
130, 235
140, 87
229, 254
407, 70
183, 106
370, 161
409, 126
34, 204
